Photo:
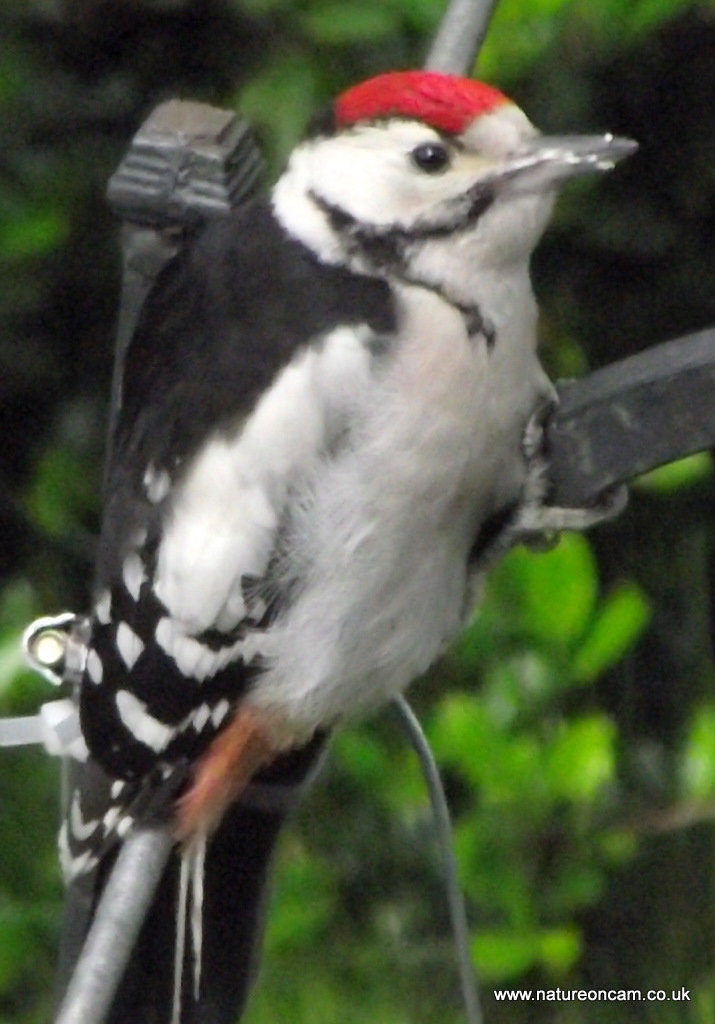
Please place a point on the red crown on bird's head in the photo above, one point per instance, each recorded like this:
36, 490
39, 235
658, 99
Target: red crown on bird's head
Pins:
448, 103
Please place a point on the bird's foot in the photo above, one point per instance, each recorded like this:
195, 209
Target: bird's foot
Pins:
536, 523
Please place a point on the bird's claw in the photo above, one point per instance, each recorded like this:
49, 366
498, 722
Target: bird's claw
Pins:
539, 524
536, 523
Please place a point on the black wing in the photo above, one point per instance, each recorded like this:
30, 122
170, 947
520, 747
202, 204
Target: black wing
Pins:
224, 317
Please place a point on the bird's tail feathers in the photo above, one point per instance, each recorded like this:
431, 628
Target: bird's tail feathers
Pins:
189, 910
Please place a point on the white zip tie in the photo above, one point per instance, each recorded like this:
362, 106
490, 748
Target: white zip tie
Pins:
56, 726
21, 731
56, 647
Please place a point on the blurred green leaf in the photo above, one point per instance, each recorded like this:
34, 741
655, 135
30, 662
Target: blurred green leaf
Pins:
16, 941
278, 101
559, 949
578, 884
296, 920
18, 607
18, 604
260, 8
687, 472
391, 777
362, 755
617, 845
62, 493
460, 730
342, 24
550, 596
519, 33
501, 955
619, 621
33, 232
516, 683
12, 74
697, 760
423, 15
618, 20
12, 665
510, 771
581, 758
503, 767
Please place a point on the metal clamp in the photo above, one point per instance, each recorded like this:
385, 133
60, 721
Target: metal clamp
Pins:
56, 647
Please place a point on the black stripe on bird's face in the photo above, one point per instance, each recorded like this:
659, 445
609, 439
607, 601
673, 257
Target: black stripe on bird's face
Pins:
387, 246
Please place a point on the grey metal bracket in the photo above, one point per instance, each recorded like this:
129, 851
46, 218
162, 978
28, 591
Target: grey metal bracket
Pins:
631, 416
188, 162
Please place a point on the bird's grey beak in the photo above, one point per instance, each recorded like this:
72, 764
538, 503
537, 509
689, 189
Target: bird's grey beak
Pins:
547, 160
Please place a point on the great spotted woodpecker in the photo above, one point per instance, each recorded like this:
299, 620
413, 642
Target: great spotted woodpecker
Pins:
321, 421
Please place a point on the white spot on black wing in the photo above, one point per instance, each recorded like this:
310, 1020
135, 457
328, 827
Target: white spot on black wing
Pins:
201, 717
94, 667
219, 712
103, 608
129, 645
133, 574
110, 819
143, 726
188, 653
73, 864
194, 659
81, 829
124, 825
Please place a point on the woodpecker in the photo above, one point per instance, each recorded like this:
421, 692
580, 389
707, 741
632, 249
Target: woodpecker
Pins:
320, 437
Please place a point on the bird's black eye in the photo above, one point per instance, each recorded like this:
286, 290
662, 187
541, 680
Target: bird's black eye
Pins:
431, 157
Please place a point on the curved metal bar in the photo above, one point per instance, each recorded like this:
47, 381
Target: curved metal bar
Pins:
443, 830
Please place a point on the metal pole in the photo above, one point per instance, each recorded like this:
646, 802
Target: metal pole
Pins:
120, 914
460, 36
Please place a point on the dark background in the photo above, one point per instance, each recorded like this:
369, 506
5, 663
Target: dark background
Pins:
575, 721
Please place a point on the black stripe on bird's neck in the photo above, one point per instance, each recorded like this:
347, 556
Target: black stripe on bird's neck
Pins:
388, 250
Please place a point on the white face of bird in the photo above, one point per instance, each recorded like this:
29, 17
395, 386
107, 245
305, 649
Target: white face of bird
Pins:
495, 180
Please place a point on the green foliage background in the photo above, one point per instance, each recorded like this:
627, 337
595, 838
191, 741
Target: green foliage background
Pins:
575, 719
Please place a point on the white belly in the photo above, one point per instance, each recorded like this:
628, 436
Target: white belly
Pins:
382, 531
